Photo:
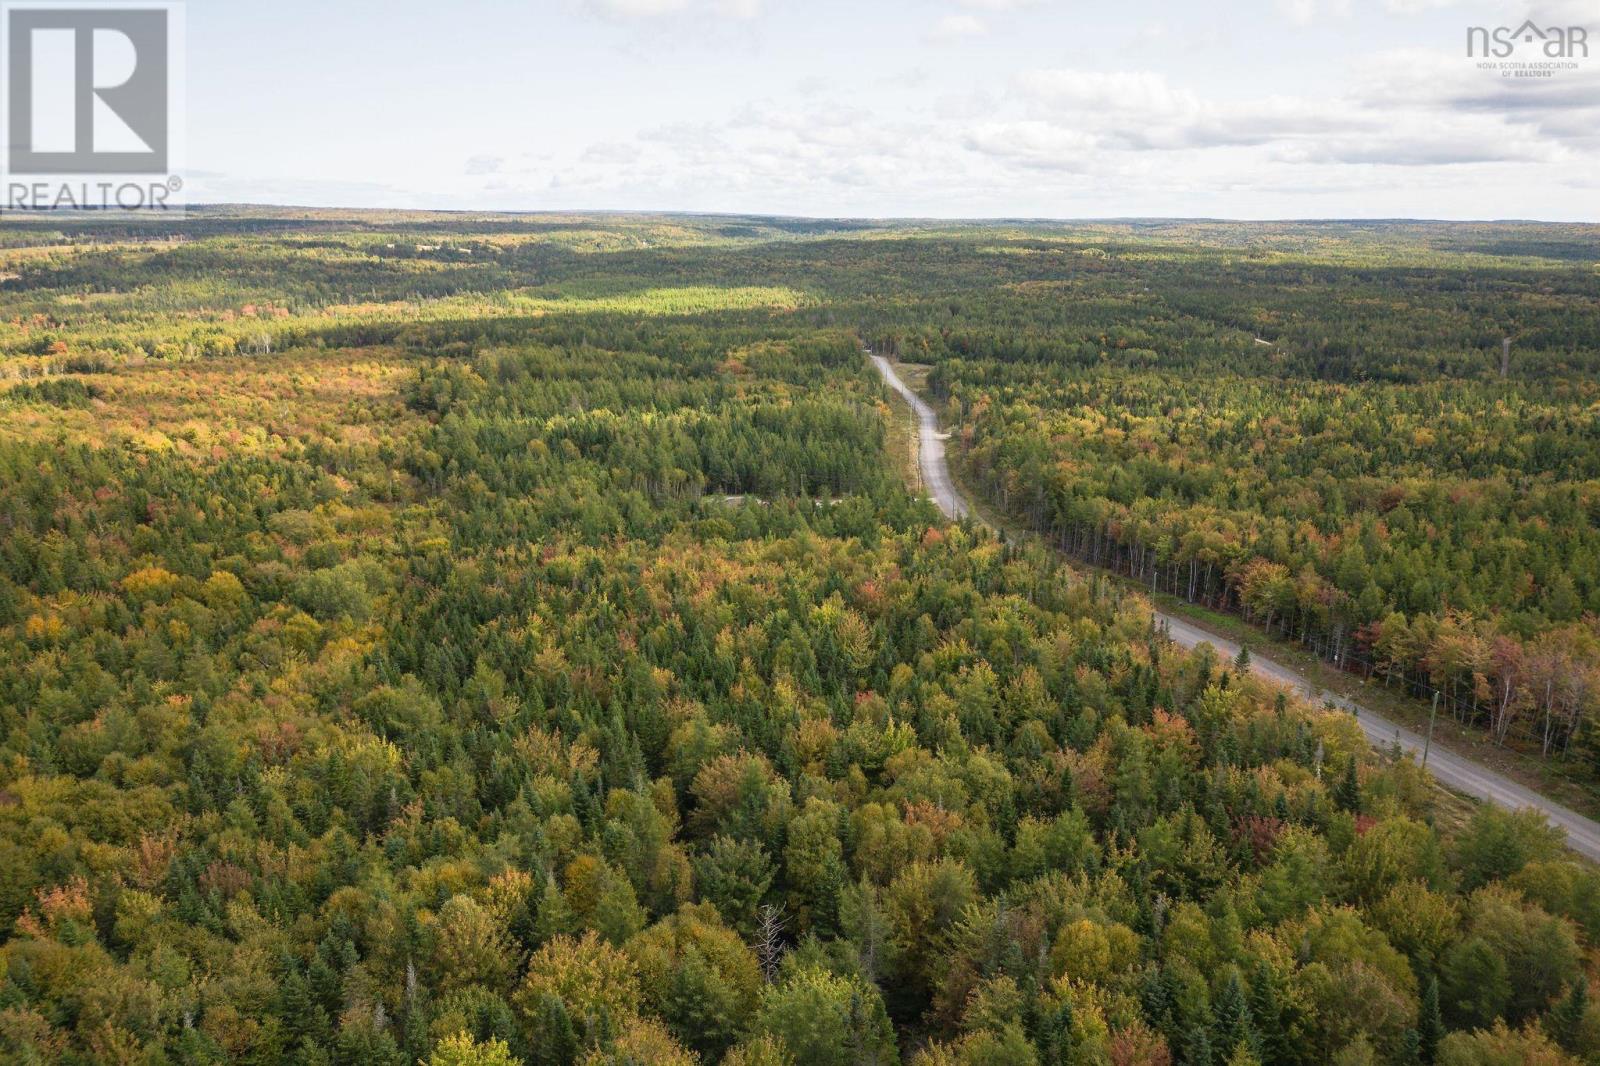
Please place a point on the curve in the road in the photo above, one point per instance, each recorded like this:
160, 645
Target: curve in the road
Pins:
1451, 769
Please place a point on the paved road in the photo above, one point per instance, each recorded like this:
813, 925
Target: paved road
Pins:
1455, 771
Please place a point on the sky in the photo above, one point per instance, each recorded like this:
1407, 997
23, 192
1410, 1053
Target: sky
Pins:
902, 108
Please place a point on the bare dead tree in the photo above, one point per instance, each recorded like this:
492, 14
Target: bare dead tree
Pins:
769, 940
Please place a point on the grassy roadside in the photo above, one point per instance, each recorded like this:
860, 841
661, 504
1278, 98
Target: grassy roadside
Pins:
902, 439
1547, 778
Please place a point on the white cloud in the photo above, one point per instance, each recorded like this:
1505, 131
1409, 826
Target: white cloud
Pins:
1064, 139
1542, 12
958, 27
1142, 110
1413, 7
1033, 144
1299, 12
1091, 92
1430, 148
1305, 12
742, 10
611, 152
1566, 13
1563, 111
1079, 141
639, 8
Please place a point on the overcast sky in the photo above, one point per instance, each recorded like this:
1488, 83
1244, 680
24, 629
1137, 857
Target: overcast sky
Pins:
957, 108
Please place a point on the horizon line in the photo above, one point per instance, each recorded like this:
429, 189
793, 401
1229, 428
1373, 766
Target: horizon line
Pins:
90, 216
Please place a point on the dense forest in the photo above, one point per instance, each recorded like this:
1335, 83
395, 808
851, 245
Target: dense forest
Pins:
1396, 465
451, 640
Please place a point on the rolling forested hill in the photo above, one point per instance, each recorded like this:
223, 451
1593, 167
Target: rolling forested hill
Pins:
481, 640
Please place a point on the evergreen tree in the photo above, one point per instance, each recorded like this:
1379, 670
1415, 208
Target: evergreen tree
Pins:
1347, 793
555, 1042
1266, 1015
1054, 1038
304, 1018
1430, 1022
1156, 996
1230, 1017
1565, 1020
554, 916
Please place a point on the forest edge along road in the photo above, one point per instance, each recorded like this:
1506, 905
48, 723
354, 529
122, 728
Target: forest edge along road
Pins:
1452, 770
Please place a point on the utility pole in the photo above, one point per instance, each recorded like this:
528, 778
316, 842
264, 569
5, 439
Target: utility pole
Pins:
1432, 717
